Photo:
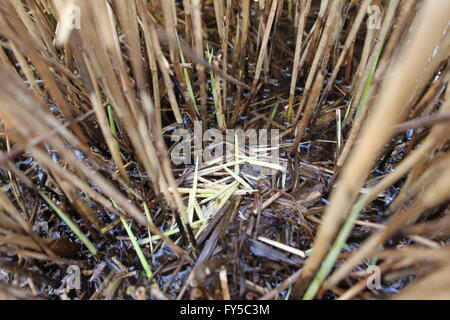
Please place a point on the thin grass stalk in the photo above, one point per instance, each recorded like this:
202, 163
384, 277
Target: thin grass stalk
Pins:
198, 37
304, 8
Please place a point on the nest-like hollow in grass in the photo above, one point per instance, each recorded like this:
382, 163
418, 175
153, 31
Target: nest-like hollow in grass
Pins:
207, 187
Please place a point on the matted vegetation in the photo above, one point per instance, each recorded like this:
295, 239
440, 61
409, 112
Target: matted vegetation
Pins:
88, 183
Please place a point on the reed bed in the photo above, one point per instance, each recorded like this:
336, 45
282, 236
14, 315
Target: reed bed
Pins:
93, 91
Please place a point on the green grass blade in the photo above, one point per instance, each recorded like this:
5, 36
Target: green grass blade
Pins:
137, 248
72, 225
338, 245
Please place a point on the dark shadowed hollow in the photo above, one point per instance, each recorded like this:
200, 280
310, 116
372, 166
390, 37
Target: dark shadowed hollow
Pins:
224, 149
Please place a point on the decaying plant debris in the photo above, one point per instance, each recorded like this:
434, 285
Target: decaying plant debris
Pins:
88, 183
